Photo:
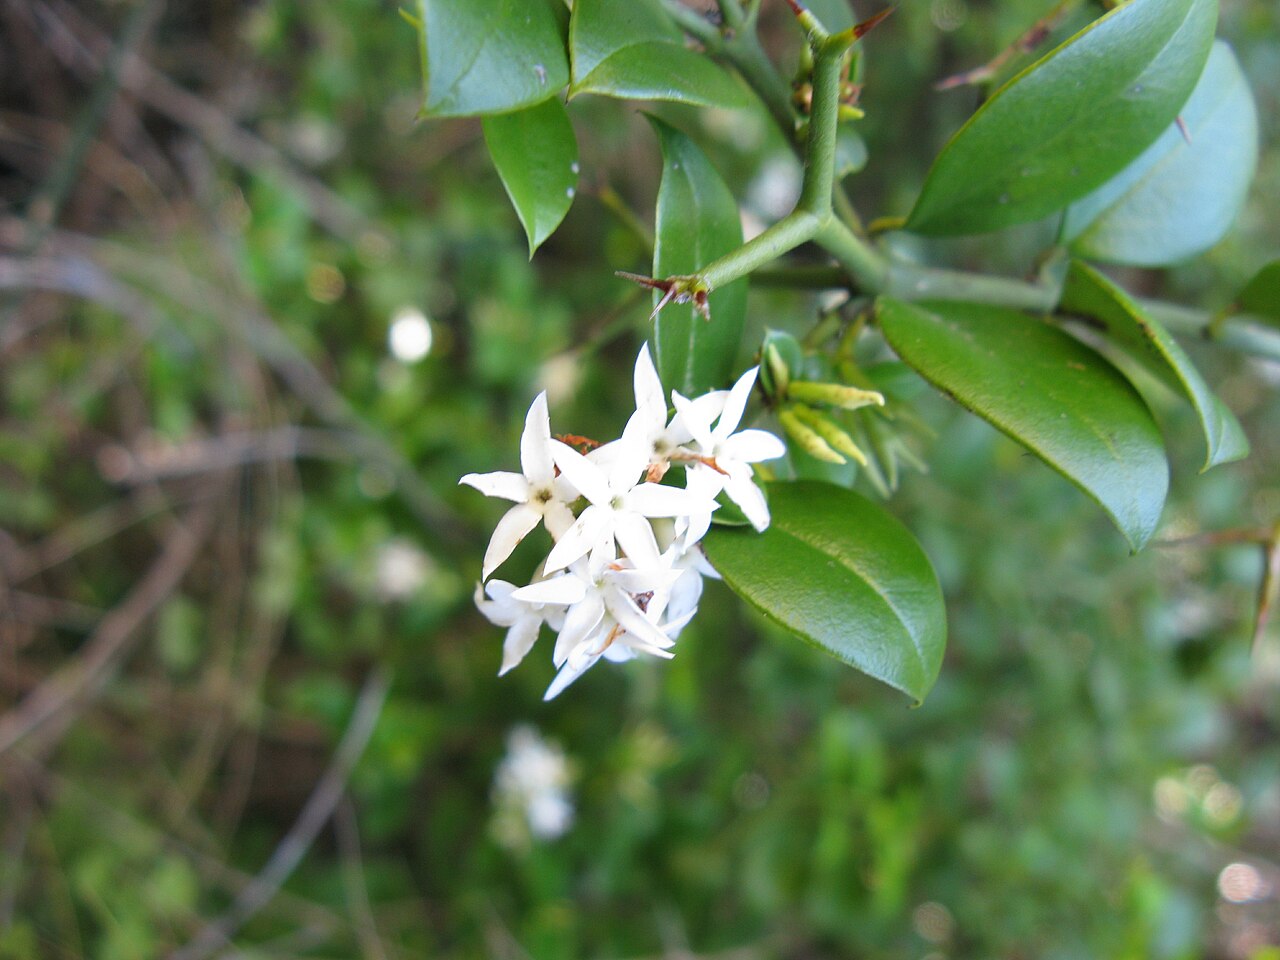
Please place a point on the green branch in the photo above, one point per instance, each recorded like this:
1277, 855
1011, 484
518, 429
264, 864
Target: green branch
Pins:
862, 268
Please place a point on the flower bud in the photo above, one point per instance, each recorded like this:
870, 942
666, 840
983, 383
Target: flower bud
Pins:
808, 440
834, 394
831, 432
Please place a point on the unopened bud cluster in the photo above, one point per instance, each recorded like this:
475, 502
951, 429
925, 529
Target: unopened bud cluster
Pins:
625, 573
812, 430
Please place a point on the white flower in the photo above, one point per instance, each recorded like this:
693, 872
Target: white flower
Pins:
532, 782
619, 506
614, 612
538, 493
400, 569
731, 453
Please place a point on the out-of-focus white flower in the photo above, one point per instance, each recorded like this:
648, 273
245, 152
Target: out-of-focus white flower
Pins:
531, 789
539, 494
399, 569
730, 454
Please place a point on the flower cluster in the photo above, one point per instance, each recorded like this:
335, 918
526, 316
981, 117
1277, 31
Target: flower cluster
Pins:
625, 573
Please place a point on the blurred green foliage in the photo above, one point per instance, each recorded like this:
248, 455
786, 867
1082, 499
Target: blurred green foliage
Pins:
1101, 743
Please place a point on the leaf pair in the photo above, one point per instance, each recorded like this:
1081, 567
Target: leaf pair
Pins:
506, 60
1099, 128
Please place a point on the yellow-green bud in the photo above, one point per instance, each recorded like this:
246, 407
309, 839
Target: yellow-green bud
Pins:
808, 441
835, 394
831, 432
778, 370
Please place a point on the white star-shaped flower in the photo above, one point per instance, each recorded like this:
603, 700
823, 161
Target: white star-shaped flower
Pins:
614, 613
619, 506
539, 494
732, 453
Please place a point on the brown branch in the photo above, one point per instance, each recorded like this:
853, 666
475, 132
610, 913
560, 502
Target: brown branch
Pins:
1035, 35
58, 700
83, 50
315, 813
1268, 589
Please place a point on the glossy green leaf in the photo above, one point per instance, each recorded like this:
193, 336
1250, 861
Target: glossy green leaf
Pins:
843, 574
697, 221
536, 156
1090, 294
1261, 295
1046, 390
1070, 121
489, 56
1179, 198
633, 49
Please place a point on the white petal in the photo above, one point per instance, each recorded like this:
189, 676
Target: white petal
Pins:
618, 653
512, 528
672, 628
519, 641
656, 500
562, 590
736, 405
695, 416
650, 396
500, 591
565, 677
587, 478
587, 531
535, 443
635, 536
644, 581
752, 446
580, 622
557, 518
631, 455
508, 486
625, 611
749, 498
685, 595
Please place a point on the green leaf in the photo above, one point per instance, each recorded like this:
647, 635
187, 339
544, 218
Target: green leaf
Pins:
489, 56
1261, 296
1177, 199
838, 571
537, 158
1090, 294
696, 222
1046, 390
1070, 121
633, 49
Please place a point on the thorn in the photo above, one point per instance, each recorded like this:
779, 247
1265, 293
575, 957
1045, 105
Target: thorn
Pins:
797, 8
641, 279
666, 298
866, 26
1182, 128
